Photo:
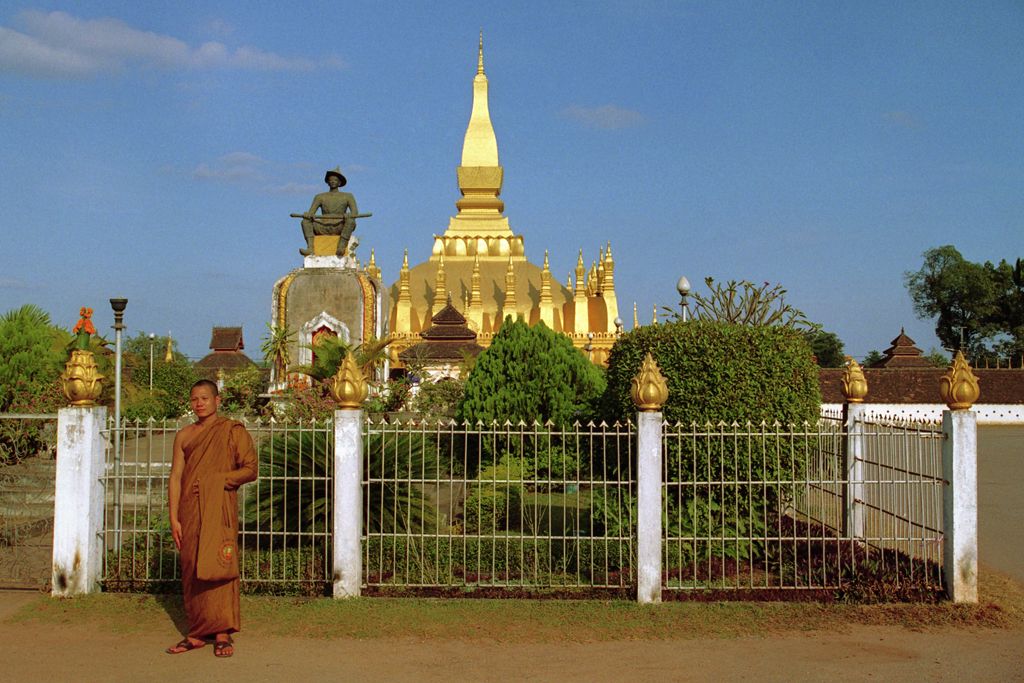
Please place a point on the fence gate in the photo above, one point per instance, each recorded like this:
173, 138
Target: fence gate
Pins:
28, 445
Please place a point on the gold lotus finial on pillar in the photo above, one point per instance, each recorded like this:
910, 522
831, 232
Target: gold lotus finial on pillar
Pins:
81, 381
959, 387
855, 385
649, 389
348, 387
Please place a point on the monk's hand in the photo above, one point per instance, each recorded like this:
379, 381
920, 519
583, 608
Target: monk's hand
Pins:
176, 533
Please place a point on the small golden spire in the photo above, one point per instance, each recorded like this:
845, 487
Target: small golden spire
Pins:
592, 279
545, 281
636, 320
348, 387
169, 353
599, 282
510, 291
649, 390
654, 320
568, 282
440, 286
405, 260
959, 387
855, 385
581, 274
371, 268
480, 55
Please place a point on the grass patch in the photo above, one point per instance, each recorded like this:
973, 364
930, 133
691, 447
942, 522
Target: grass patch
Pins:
535, 621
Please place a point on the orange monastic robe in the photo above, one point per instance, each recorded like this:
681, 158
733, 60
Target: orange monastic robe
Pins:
221, 452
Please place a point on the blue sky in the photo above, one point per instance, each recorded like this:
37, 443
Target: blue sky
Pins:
154, 151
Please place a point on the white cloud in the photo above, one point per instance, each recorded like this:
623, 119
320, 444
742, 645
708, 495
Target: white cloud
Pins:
11, 283
232, 167
606, 116
268, 177
294, 188
901, 119
59, 45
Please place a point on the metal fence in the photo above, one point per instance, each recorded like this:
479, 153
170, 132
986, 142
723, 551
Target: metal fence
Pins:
499, 506
28, 446
766, 507
450, 507
284, 516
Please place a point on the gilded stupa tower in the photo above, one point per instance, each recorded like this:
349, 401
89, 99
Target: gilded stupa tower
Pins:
480, 264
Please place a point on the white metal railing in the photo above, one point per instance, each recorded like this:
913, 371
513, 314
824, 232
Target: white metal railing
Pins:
846, 505
767, 507
284, 516
511, 506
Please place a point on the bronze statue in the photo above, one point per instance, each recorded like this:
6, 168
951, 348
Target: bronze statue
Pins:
338, 214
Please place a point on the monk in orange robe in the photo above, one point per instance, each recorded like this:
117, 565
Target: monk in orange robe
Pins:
212, 458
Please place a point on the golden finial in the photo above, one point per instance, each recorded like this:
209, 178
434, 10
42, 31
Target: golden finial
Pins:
348, 387
510, 290
649, 390
405, 260
654, 319
440, 285
855, 385
608, 252
480, 55
371, 268
169, 354
81, 381
636, 320
959, 387
546, 267
568, 282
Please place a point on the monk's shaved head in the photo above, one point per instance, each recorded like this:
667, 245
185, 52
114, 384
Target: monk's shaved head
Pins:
210, 384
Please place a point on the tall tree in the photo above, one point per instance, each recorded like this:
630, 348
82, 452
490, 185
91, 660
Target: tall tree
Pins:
31, 354
978, 307
827, 348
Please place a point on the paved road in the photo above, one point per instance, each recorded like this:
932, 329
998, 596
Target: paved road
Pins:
1001, 498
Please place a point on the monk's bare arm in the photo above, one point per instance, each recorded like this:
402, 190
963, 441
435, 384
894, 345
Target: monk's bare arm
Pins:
174, 485
246, 462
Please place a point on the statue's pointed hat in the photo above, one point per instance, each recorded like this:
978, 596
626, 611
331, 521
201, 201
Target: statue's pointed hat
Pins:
336, 171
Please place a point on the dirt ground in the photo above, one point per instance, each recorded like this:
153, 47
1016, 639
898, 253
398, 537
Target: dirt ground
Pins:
43, 652
37, 652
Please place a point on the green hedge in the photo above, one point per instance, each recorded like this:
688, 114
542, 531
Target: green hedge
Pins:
719, 374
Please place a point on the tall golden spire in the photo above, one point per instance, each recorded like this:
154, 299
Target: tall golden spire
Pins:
480, 146
169, 354
636, 320
480, 228
371, 268
581, 308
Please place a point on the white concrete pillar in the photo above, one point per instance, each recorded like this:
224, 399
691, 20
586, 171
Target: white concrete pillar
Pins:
853, 470
648, 476
960, 505
348, 503
78, 502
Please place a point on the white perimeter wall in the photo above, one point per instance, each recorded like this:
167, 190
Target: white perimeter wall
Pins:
988, 413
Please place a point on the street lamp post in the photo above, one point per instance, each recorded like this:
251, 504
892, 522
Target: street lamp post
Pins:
118, 305
618, 326
152, 338
683, 287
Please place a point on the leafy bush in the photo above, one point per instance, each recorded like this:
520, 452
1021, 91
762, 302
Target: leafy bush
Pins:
495, 500
718, 374
297, 485
530, 374
242, 389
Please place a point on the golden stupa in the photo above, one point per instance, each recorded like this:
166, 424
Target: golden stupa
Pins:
481, 263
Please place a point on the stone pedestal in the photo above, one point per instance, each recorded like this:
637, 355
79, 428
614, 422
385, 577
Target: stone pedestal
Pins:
329, 295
